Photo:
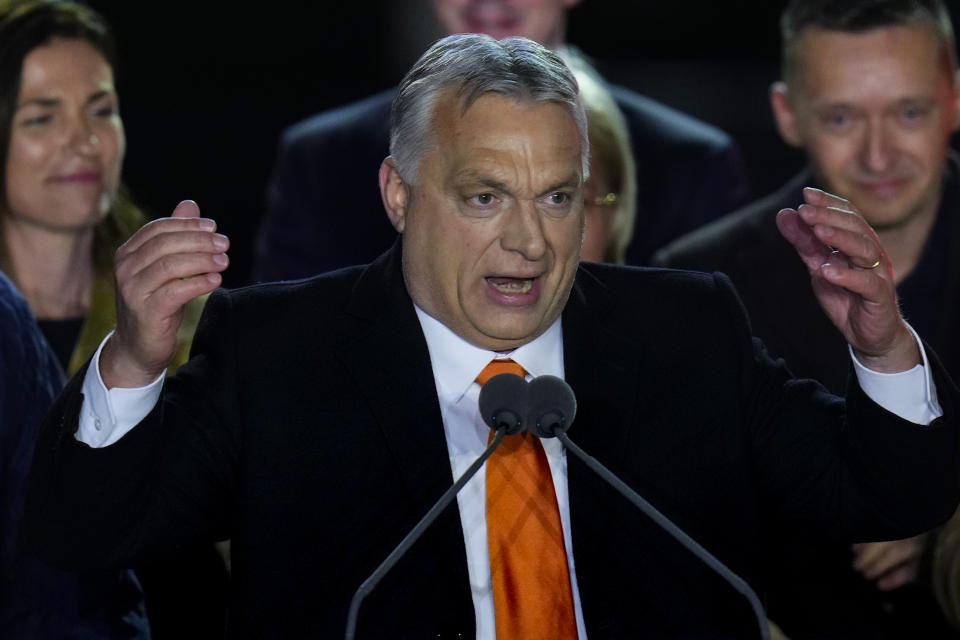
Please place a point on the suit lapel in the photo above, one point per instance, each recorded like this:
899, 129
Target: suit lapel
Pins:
390, 363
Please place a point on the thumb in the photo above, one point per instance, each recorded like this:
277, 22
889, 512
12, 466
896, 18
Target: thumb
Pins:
186, 209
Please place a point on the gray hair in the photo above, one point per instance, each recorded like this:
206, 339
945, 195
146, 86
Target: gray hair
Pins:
474, 64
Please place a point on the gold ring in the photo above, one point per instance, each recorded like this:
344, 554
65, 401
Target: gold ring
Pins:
875, 264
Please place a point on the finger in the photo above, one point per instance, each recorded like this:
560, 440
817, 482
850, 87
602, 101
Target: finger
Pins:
160, 226
819, 197
170, 268
834, 217
186, 209
860, 248
809, 247
878, 558
168, 299
167, 244
902, 575
866, 283
869, 555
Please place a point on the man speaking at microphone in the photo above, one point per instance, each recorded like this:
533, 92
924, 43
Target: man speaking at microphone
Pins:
318, 420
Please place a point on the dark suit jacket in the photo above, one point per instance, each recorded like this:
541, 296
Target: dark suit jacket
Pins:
325, 210
815, 589
307, 427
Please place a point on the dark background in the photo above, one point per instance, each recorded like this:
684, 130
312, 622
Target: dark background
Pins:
207, 87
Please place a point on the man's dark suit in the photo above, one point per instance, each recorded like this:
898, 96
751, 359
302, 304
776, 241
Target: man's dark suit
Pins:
325, 210
815, 586
307, 427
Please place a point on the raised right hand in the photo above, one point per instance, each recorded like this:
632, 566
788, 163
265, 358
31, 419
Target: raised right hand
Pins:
164, 265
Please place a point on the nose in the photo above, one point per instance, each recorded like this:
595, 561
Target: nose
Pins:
83, 139
523, 231
878, 150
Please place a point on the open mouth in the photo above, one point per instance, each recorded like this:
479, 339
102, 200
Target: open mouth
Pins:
511, 286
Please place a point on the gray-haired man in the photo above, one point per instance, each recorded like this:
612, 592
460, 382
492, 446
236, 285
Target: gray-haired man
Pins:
318, 420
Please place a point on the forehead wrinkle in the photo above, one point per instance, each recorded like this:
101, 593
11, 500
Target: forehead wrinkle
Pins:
470, 178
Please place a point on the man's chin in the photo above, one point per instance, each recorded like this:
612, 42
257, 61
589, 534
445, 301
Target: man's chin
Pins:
502, 336
887, 215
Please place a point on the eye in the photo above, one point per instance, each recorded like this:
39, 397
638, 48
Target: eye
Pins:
482, 200
913, 114
36, 121
558, 198
837, 120
104, 111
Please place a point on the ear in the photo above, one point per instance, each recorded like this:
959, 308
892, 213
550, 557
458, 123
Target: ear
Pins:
784, 115
394, 193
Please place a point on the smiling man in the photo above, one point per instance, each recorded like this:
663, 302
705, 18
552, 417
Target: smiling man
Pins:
870, 93
318, 420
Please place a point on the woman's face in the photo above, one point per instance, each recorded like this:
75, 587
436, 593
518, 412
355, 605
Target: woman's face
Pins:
66, 138
598, 230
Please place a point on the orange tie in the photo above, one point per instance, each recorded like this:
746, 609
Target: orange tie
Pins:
528, 562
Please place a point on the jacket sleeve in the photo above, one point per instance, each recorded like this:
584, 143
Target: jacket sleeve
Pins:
166, 482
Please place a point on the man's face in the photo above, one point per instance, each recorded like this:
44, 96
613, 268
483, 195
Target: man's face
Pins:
542, 21
493, 226
874, 112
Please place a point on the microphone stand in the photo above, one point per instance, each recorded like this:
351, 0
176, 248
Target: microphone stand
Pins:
368, 585
738, 583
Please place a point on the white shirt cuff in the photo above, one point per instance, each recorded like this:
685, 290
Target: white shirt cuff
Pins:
107, 415
909, 394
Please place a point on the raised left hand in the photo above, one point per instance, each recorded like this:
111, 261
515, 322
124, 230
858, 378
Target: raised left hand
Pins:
852, 278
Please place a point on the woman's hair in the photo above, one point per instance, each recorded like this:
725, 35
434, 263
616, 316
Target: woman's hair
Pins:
609, 148
24, 26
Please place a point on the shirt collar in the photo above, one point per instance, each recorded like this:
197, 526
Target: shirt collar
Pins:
456, 362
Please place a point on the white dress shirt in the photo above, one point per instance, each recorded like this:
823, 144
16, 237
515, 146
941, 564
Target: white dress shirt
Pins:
107, 415
456, 364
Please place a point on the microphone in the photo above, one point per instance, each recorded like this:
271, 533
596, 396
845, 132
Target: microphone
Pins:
552, 406
503, 404
552, 409
503, 400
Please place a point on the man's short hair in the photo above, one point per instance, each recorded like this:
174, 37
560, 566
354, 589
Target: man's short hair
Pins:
857, 16
472, 65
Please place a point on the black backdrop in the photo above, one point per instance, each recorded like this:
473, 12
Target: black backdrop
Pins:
207, 87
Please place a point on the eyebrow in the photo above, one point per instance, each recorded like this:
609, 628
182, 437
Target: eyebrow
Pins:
53, 102
924, 99
571, 181
469, 176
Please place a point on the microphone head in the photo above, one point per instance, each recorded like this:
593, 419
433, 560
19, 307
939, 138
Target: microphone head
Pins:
504, 403
552, 406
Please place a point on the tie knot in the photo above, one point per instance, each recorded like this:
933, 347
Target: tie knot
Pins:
496, 367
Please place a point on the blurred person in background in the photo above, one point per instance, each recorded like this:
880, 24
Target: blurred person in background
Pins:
324, 211
609, 193
870, 93
36, 600
63, 213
